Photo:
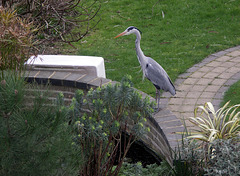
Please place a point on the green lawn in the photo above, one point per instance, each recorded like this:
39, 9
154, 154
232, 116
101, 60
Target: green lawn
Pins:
189, 32
232, 94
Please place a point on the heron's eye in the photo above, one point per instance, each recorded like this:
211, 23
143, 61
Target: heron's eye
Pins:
147, 66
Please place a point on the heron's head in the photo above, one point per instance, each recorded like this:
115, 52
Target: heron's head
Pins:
128, 31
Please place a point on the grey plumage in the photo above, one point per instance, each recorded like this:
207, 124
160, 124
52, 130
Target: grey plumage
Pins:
151, 69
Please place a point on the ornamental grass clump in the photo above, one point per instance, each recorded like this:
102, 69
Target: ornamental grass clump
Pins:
100, 121
16, 40
220, 124
212, 125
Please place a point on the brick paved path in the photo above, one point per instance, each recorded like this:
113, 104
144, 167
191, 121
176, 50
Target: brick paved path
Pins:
206, 81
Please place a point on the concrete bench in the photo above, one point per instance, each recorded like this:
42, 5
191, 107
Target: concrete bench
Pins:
90, 65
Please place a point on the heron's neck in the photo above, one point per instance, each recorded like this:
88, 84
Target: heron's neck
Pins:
140, 55
138, 49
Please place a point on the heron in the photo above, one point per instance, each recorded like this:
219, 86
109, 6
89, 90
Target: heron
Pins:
152, 70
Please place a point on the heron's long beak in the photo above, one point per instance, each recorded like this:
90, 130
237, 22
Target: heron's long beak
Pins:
121, 34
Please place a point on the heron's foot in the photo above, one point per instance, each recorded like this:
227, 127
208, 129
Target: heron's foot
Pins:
156, 110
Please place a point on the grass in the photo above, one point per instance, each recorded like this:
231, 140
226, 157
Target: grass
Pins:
232, 95
189, 32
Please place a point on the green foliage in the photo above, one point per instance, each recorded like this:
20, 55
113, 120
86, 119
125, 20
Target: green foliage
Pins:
100, 119
34, 140
16, 41
11, 94
150, 170
194, 159
232, 94
213, 147
188, 158
224, 159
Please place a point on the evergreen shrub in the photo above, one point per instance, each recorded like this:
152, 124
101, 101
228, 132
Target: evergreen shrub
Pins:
99, 120
34, 140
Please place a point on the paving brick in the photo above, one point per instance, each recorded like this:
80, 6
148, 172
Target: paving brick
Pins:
230, 82
172, 123
218, 81
223, 89
197, 74
190, 101
60, 75
187, 115
176, 100
220, 53
166, 118
204, 81
219, 69
177, 114
223, 58
236, 76
198, 88
178, 82
216, 103
232, 49
187, 108
228, 64
226, 75
235, 59
211, 75
234, 53
190, 81
212, 88
193, 94
202, 101
209, 59
207, 95
181, 93
206, 69
214, 64
218, 95
233, 70
192, 69
184, 87
173, 107
184, 75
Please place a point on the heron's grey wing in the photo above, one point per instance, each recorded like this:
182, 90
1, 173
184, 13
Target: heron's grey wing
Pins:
158, 76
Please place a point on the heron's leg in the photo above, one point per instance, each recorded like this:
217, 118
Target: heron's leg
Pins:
156, 94
158, 99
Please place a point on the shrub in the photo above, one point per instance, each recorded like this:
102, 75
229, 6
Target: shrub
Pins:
137, 169
34, 140
100, 120
189, 158
61, 20
214, 144
224, 160
16, 41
